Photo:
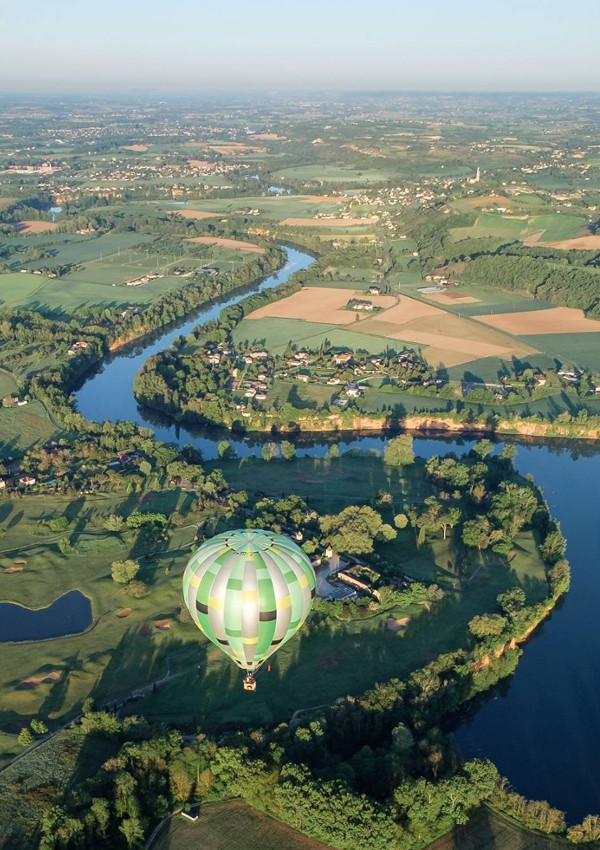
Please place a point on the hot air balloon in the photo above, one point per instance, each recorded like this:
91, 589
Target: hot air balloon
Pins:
249, 591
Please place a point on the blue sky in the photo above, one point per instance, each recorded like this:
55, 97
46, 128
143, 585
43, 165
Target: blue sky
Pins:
195, 45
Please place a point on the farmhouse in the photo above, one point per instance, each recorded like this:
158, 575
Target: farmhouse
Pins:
360, 304
343, 357
374, 290
354, 391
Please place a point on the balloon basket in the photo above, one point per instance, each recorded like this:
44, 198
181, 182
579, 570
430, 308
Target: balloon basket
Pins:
249, 683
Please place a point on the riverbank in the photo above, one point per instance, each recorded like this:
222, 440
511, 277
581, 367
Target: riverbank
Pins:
427, 424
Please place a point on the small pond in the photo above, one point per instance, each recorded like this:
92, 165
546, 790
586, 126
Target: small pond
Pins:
69, 615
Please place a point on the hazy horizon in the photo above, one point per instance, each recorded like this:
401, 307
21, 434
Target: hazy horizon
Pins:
463, 47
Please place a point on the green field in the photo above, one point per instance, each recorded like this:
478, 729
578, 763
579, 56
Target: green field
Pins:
330, 173
100, 283
276, 334
22, 428
231, 826
555, 226
112, 657
8, 385
580, 349
301, 395
78, 249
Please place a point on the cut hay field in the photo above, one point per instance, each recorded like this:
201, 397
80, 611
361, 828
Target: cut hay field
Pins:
27, 227
578, 243
231, 826
228, 243
108, 263
485, 302
8, 384
445, 338
199, 214
452, 298
319, 304
72, 248
556, 320
276, 334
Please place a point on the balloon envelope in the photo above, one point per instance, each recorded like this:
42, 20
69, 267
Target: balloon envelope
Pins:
249, 591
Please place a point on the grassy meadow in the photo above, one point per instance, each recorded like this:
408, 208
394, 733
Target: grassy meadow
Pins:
22, 428
117, 655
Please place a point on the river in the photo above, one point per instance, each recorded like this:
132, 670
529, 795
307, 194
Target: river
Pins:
540, 727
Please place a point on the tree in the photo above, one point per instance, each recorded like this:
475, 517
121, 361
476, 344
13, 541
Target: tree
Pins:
402, 739
487, 625
137, 589
512, 600
355, 529
483, 448
400, 520
586, 832
269, 451
508, 453
180, 782
59, 523
100, 812
25, 738
132, 831
38, 727
123, 572
434, 593
476, 532
288, 450
553, 547
399, 451
225, 450
559, 578
513, 507
448, 519
114, 522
